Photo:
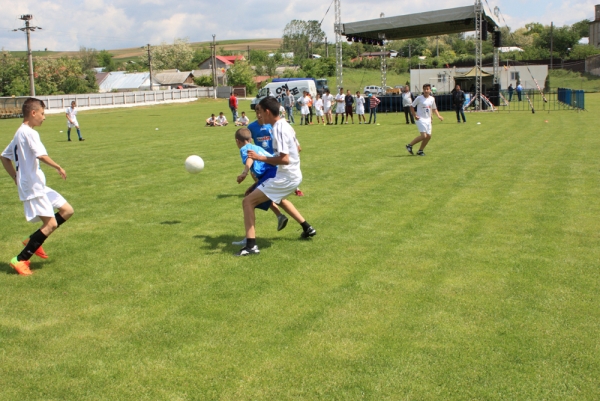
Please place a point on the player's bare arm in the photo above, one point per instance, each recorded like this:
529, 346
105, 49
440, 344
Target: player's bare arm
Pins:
282, 159
47, 160
438, 115
412, 111
10, 168
244, 174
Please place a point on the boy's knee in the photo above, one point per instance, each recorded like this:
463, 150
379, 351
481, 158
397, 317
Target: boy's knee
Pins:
66, 211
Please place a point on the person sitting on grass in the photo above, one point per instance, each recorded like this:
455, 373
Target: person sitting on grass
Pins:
211, 121
222, 120
243, 120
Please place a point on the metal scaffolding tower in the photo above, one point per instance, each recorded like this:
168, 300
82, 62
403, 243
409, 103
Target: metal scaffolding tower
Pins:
478, 52
383, 63
337, 27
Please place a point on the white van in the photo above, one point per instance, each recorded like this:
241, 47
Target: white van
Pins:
375, 90
278, 90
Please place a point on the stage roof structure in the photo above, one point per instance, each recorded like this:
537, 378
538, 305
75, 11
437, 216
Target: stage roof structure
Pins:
430, 23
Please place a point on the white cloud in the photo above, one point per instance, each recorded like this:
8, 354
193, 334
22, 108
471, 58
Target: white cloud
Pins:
113, 24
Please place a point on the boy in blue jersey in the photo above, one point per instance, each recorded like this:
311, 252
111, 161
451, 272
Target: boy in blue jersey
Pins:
260, 172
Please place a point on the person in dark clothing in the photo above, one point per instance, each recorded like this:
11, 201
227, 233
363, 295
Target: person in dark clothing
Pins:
458, 99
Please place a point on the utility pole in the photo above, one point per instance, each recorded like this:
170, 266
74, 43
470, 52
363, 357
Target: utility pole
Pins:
551, 45
337, 27
214, 65
27, 29
150, 66
326, 48
248, 53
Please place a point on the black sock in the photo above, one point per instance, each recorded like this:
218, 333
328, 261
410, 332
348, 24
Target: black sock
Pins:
250, 242
336, 117
342, 119
305, 225
35, 241
69, 133
59, 219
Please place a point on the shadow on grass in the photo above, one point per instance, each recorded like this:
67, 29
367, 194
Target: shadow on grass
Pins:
223, 196
223, 242
35, 265
170, 222
402, 156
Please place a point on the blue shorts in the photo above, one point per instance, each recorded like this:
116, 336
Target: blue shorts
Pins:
270, 173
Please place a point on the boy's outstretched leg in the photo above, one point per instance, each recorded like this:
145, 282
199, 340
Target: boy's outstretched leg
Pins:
282, 220
307, 230
79, 135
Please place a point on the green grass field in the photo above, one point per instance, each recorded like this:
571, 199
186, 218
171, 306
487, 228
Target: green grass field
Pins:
471, 273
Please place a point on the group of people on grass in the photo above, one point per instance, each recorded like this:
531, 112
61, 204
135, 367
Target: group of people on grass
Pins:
326, 105
221, 120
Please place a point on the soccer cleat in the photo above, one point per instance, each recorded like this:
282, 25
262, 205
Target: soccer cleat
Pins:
420, 153
239, 243
299, 193
310, 232
281, 222
40, 251
22, 267
245, 251
409, 149
81, 139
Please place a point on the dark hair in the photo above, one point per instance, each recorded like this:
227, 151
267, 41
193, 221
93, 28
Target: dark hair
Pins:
426, 85
243, 134
271, 104
32, 104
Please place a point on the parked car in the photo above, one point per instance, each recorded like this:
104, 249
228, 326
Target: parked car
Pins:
373, 89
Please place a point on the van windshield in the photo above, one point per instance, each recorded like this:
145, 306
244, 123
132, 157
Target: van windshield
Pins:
262, 92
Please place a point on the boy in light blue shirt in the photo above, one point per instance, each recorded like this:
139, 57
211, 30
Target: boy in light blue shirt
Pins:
259, 170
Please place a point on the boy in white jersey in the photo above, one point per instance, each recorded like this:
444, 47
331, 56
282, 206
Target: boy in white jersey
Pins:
72, 121
26, 151
327, 101
340, 108
284, 183
424, 104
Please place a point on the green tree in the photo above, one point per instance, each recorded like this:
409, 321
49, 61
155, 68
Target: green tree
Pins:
300, 37
88, 58
14, 76
105, 59
179, 55
582, 28
241, 73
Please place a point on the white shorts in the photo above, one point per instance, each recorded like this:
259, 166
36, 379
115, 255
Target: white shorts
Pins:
319, 113
424, 126
75, 124
340, 109
278, 189
360, 111
327, 109
43, 205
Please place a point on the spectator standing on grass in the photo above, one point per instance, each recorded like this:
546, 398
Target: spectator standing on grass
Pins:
407, 99
319, 110
519, 90
510, 92
72, 121
340, 105
288, 103
310, 107
233, 105
327, 103
458, 98
373, 103
26, 151
360, 107
304, 101
349, 99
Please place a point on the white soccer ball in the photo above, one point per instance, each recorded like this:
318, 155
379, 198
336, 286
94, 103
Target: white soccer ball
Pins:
194, 164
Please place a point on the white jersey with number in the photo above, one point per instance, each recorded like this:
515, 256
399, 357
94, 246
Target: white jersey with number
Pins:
24, 151
424, 107
284, 141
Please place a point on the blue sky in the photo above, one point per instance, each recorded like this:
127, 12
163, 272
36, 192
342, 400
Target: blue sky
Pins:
112, 24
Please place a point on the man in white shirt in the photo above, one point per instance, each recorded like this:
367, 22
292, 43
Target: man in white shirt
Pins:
327, 100
340, 108
407, 99
221, 120
285, 182
72, 121
424, 105
39, 201
243, 120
